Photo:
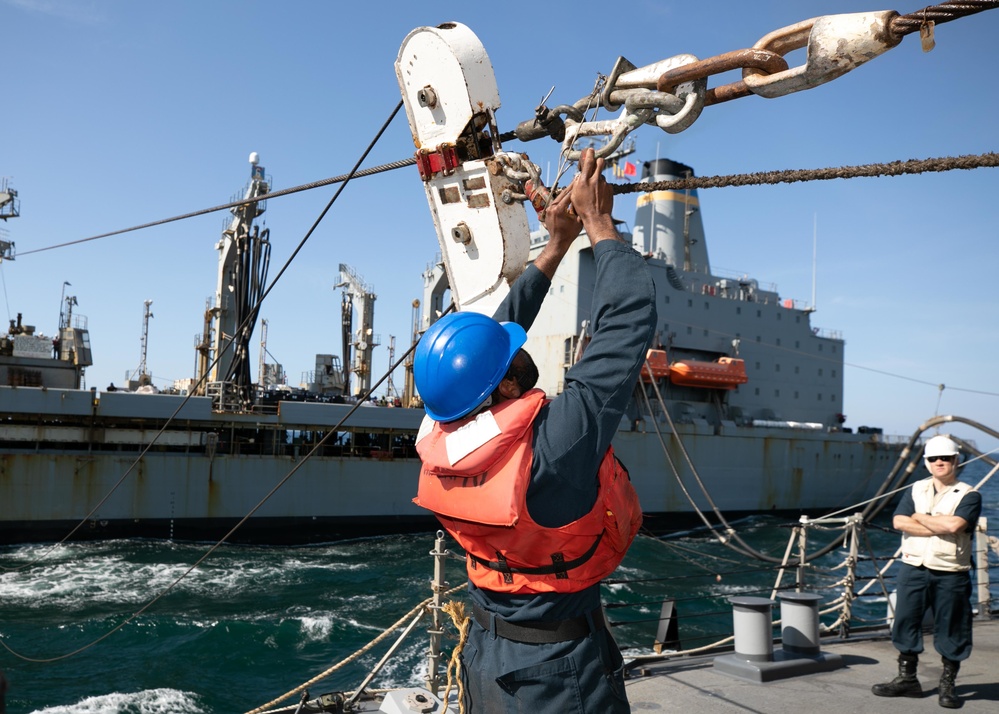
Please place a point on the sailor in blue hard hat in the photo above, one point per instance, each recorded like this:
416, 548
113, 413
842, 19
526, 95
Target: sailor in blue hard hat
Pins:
462, 360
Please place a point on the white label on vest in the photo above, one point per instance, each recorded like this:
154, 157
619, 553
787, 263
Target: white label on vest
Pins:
426, 426
461, 442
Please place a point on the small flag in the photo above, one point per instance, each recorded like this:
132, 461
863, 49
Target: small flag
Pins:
630, 169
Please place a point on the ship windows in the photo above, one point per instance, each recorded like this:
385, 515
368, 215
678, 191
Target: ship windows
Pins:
758, 339
797, 344
707, 305
778, 342
757, 391
759, 313
834, 374
666, 299
690, 330
796, 369
797, 318
690, 303
796, 395
776, 367
778, 315
705, 333
832, 397
776, 392
820, 347
820, 371
738, 309
820, 397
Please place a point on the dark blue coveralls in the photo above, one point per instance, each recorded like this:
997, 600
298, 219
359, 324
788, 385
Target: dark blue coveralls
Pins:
947, 594
571, 434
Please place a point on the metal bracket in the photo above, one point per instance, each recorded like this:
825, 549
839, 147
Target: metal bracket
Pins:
450, 94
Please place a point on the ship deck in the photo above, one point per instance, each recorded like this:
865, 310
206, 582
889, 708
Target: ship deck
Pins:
693, 685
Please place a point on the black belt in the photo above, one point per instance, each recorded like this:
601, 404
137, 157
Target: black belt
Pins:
540, 632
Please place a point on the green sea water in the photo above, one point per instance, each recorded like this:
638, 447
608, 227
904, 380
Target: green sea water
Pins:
252, 623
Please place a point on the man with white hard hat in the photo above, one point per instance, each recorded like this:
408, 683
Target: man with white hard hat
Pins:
937, 517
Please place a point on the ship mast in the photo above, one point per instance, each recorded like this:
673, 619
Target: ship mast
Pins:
408, 387
261, 380
390, 392
144, 377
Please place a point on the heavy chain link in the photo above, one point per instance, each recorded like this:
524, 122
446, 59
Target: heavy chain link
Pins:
671, 93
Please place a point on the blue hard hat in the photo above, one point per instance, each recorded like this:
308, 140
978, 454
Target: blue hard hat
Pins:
461, 359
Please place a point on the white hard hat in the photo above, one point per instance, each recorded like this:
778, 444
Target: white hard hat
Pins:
941, 446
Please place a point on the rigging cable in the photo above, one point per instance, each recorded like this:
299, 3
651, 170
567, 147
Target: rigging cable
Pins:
260, 504
229, 344
893, 168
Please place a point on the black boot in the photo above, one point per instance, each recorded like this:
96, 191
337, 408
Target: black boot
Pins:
905, 684
946, 691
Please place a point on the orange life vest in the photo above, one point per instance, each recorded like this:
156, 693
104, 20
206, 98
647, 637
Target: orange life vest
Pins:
474, 478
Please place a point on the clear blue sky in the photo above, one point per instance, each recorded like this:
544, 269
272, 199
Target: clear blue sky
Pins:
118, 113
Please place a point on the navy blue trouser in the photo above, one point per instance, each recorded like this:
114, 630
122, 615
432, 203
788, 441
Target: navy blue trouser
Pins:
584, 676
949, 596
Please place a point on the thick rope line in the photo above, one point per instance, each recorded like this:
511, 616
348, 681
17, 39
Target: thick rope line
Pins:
347, 660
893, 168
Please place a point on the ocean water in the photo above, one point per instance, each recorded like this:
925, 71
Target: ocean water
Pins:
254, 622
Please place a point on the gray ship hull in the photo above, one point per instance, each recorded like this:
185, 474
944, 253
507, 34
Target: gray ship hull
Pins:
63, 451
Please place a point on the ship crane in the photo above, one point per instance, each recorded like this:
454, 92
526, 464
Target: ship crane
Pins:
244, 256
357, 294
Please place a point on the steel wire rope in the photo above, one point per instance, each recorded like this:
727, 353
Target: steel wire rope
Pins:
748, 179
731, 534
745, 549
227, 344
902, 25
676, 472
270, 493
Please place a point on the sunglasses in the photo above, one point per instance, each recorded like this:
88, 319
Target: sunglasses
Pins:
934, 459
